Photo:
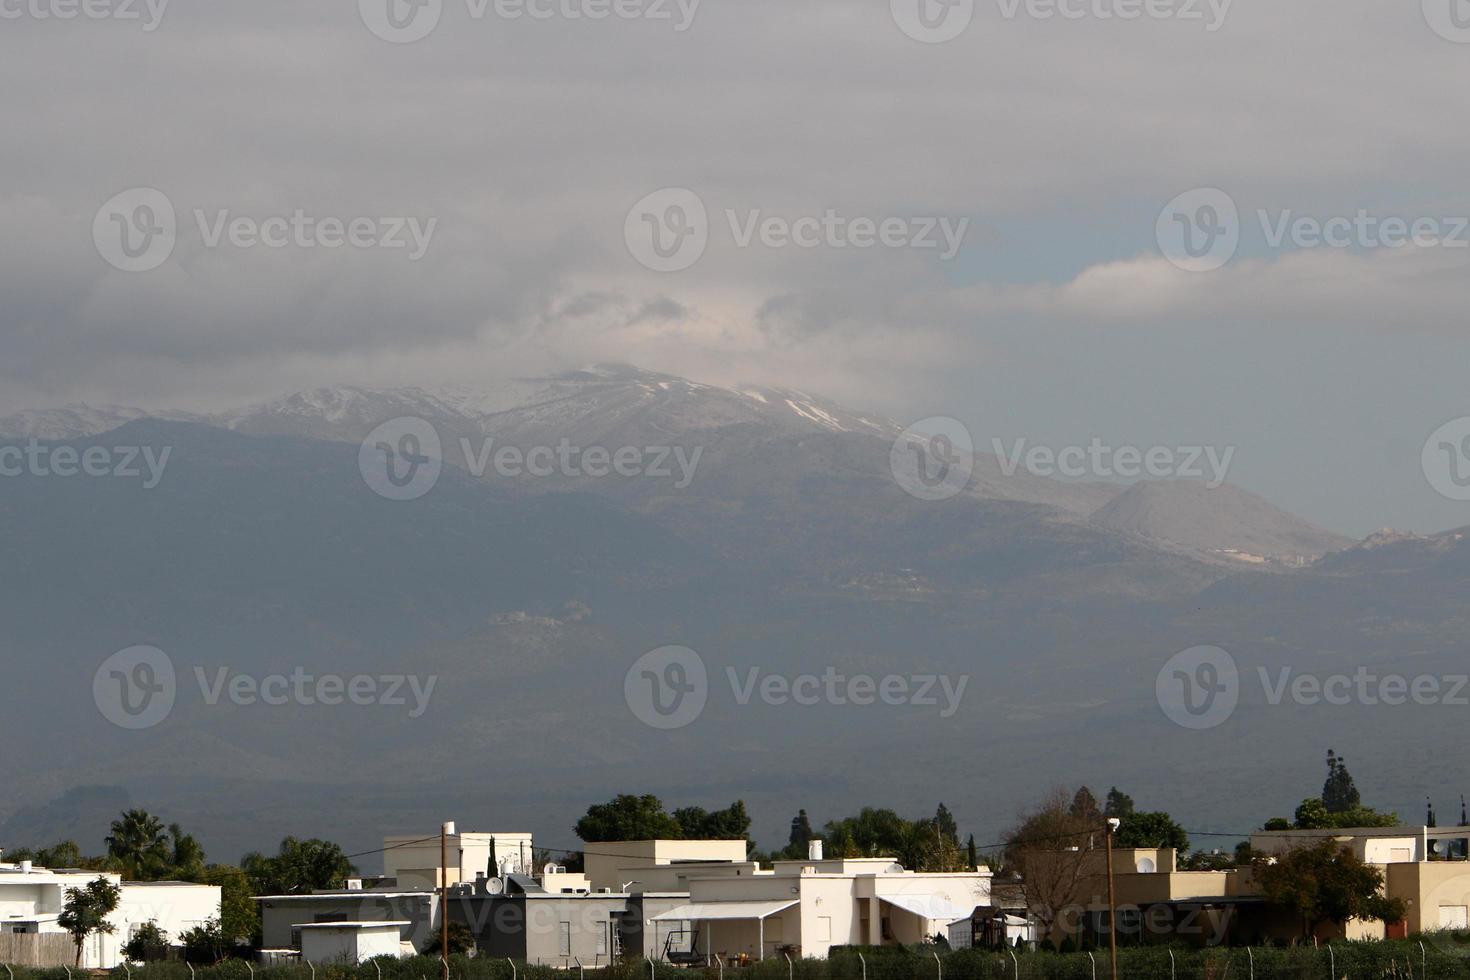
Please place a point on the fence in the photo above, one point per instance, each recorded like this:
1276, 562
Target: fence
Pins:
1405, 960
37, 949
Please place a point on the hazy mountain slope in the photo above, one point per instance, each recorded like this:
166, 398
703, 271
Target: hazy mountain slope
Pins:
1222, 519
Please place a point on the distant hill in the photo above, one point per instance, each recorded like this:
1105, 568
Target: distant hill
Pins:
1223, 520
792, 550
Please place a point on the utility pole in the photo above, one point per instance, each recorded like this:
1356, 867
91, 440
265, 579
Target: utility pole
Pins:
444, 831
1113, 824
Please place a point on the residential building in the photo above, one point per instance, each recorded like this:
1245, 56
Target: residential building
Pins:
613, 864
350, 942
741, 911
284, 917
413, 860
32, 899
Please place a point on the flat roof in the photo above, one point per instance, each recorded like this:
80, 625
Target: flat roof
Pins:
364, 893
394, 923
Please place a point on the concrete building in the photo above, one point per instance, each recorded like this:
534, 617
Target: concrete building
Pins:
742, 912
413, 860
31, 900
349, 942
1427, 867
283, 916
612, 864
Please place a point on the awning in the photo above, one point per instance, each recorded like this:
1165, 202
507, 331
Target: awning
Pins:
934, 907
703, 911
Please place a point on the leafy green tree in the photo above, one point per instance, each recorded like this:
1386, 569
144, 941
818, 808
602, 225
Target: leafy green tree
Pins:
1326, 882
1084, 806
1312, 815
801, 836
239, 911
628, 817
186, 857
970, 857
148, 944
63, 854
731, 823
1119, 804
1277, 823
298, 867
138, 843
1151, 829
1339, 794
944, 822
86, 910
206, 943
461, 940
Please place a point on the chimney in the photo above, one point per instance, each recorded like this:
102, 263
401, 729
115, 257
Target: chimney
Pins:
814, 849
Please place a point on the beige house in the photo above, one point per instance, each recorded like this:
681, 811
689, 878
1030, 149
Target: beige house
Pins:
613, 864
1427, 867
414, 859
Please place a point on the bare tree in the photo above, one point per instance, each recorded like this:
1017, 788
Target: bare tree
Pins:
1051, 848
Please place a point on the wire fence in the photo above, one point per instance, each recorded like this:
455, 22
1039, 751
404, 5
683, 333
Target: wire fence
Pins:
1401, 960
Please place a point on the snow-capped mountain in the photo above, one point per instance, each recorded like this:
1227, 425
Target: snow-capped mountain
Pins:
793, 450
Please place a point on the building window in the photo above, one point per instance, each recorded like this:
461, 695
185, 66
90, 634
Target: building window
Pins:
1454, 917
565, 939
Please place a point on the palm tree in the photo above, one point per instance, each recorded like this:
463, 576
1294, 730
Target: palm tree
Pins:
138, 841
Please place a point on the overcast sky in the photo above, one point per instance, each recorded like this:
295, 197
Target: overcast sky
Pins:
1056, 142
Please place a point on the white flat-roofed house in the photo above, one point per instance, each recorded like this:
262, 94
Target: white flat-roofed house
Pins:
349, 942
32, 899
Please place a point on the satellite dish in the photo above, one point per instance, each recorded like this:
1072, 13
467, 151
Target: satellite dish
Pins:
494, 886
1147, 866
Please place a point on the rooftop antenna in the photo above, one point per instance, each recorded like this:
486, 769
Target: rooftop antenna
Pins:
1432, 821
1464, 814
